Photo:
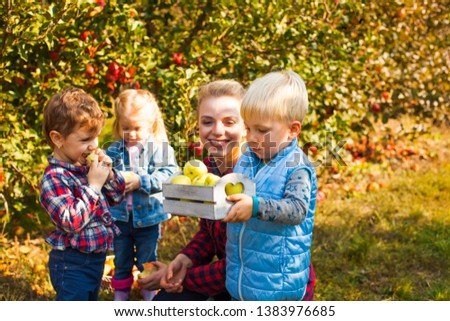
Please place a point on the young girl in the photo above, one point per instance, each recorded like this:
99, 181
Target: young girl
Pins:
77, 197
270, 234
193, 274
143, 152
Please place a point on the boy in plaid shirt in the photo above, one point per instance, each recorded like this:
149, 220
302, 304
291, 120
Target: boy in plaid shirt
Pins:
77, 197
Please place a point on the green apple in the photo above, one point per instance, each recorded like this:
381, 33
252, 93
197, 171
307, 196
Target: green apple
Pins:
211, 179
180, 180
231, 188
128, 176
200, 180
149, 269
91, 157
194, 168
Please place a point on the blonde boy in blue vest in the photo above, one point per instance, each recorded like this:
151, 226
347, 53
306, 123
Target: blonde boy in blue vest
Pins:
269, 236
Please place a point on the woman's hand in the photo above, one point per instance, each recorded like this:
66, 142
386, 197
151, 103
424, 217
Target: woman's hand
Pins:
153, 281
172, 281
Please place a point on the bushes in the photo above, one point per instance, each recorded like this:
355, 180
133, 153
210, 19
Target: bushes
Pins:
362, 62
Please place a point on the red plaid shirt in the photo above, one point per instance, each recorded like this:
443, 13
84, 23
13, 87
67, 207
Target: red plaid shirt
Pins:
81, 215
207, 276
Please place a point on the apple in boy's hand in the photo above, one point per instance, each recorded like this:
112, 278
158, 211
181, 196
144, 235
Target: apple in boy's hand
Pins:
149, 269
99, 156
231, 188
91, 157
194, 168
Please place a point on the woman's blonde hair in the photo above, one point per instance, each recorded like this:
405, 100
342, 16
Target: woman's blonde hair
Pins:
279, 96
220, 88
139, 102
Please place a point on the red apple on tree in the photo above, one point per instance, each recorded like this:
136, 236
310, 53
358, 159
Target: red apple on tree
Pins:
90, 70
114, 69
84, 35
177, 58
101, 3
54, 55
376, 108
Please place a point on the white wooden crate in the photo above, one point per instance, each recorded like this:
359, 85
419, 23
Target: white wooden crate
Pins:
203, 201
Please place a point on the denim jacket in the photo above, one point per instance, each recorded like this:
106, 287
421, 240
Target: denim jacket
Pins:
156, 163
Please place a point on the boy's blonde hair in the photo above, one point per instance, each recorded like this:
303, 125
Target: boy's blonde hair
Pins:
139, 102
279, 96
70, 110
220, 88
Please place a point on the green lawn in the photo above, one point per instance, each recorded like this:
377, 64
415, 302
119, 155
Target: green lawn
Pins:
392, 244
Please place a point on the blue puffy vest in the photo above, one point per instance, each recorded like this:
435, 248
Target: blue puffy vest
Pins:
266, 260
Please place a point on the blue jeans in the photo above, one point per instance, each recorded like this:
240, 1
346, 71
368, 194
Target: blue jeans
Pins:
76, 276
135, 246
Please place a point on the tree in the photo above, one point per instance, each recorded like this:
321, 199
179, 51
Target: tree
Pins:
362, 62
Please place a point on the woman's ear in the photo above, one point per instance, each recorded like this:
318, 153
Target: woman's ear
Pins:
295, 129
56, 138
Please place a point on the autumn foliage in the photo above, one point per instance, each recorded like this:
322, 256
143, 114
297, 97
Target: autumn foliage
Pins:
363, 63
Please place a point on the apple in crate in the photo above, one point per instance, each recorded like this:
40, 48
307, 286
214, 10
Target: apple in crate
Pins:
231, 188
207, 179
211, 179
180, 180
149, 269
194, 168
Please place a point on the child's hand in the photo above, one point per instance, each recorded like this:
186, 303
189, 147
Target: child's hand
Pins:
97, 175
102, 157
134, 183
242, 209
106, 161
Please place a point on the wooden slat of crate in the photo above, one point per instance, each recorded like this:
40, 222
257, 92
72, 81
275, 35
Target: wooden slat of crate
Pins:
191, 192
188, 208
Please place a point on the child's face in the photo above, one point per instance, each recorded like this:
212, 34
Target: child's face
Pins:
135, 128
266, 138
221, 126
77, 146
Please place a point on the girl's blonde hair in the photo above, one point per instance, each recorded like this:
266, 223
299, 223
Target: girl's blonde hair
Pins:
139, 102
220, 88
279, 96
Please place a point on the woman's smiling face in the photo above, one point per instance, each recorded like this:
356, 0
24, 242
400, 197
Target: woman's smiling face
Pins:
221, 127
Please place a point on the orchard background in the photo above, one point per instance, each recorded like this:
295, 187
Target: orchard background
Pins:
376, 73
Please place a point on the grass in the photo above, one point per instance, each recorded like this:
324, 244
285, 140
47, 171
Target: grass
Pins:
390, 244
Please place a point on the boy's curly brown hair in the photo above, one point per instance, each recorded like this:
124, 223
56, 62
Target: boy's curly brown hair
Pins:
70, 110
